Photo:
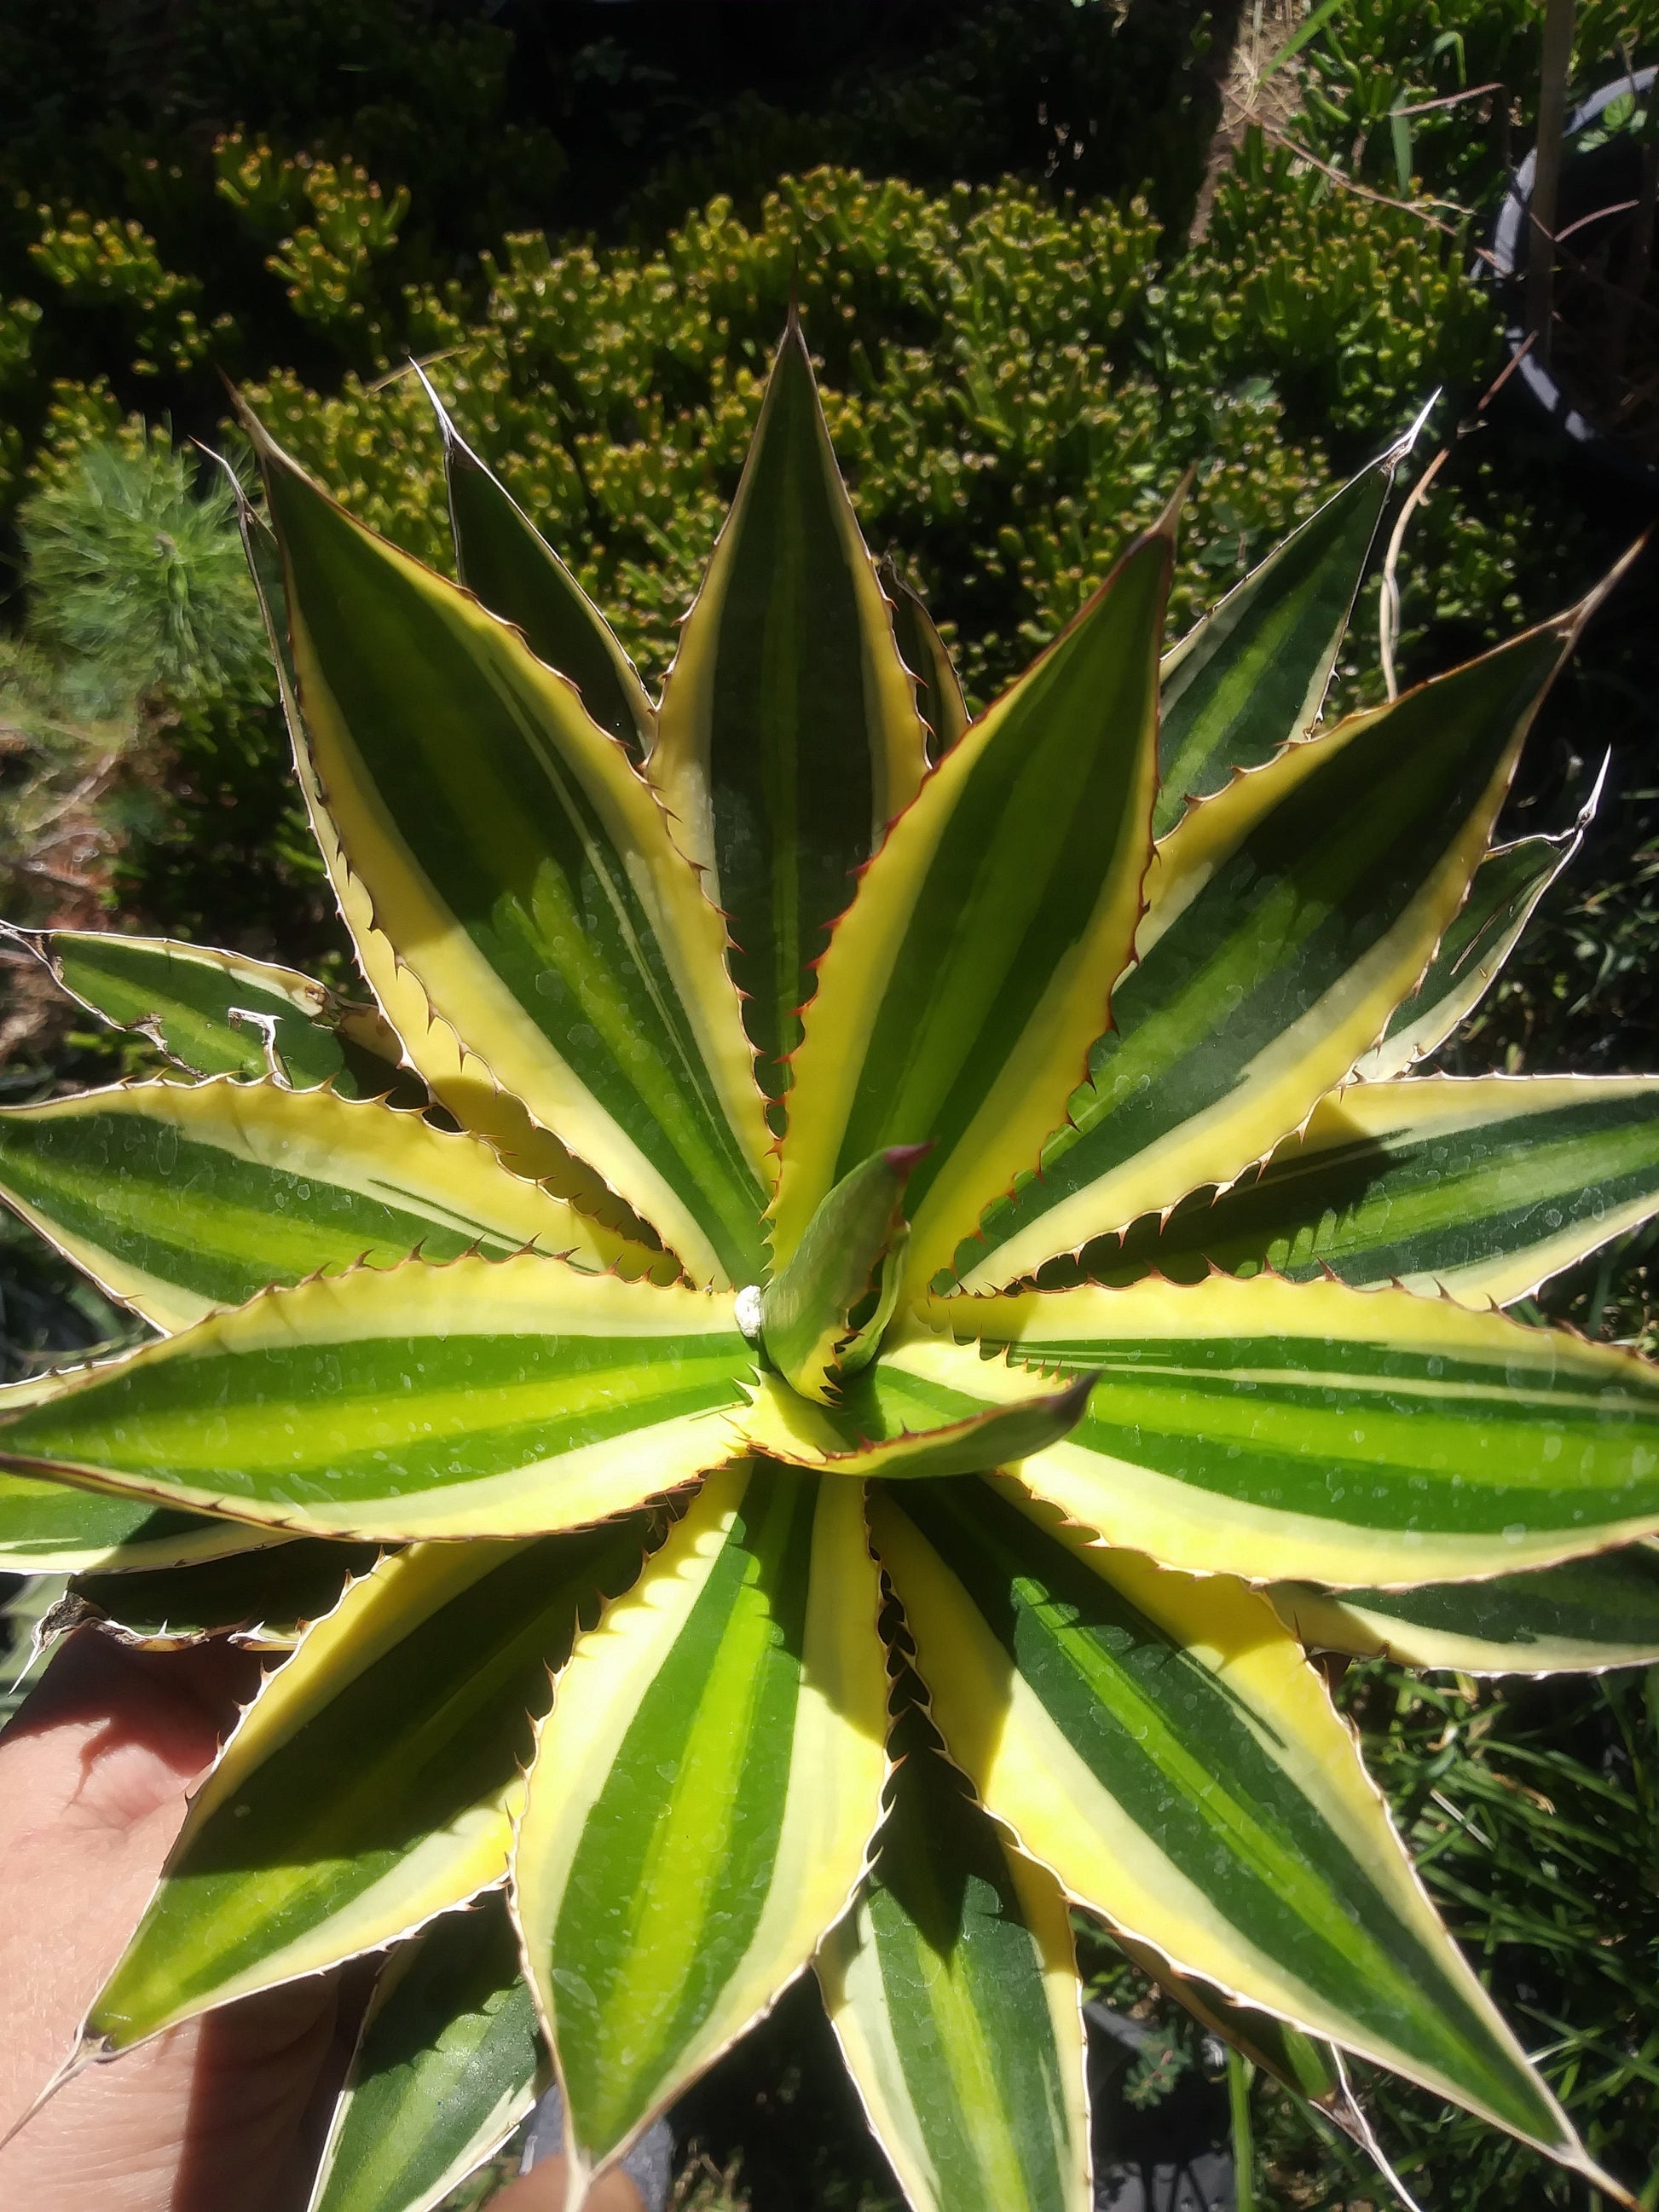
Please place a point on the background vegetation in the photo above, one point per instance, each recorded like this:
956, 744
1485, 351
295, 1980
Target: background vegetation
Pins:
1050, 254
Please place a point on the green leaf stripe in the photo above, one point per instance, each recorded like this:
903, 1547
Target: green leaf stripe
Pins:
1483, 1187
504, 558
1507, 887
703, 1793
1581, 1617
1318, 890
1246, 1851
899, 1426
445, 2070
371, 1784
1238, 1427
220, 1013
952, 1990
525, 875
965, 983
265, 1597
939, 693
479, 1399
51, 1528
1253, 673
788, 736
179, 1198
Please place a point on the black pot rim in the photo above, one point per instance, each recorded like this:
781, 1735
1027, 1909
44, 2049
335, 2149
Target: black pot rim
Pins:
1508, 261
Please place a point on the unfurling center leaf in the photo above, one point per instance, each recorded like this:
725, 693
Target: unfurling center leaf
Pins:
822, 1317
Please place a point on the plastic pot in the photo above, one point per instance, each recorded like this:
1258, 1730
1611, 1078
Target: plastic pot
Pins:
1598, 179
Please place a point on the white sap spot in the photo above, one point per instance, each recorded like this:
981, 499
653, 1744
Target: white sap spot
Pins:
748, 1311
1514, 1532
1552, 1447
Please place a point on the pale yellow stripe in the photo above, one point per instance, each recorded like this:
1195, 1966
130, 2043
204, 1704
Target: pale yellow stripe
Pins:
440, 1872
573, 1492
849, 1974
396, 1156
542, 1498
837, 1766
849, 1969
34, 1390
852, 982
1418, 1109
1032, 1778
528, 1295
1504, 1281
427, 1044
1126, 1503
217, 1540
1273, 1093
1205, 1532
1268, 1306
597, 1696
780, 1422
1392, 1055
167, 1306
489, 2134
1212, 829
1326, 1622
374, 1617
1044, 1904
1048, 1060
1007, 1131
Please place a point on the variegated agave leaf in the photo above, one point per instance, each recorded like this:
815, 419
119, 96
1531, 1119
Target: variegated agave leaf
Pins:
852, 1187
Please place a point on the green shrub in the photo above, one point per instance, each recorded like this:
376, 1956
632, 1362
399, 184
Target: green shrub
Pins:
140, 753
1465, 74
136, 576
1025, 381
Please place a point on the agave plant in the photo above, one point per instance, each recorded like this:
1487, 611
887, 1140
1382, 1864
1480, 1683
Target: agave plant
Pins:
907, 1248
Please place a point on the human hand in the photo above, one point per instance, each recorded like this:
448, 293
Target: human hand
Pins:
229, 2110
95, 1773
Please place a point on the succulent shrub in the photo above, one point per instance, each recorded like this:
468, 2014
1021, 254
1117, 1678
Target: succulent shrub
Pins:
898, 1258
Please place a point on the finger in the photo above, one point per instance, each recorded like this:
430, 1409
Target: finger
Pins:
93, 1775
205, 2117
542, 2190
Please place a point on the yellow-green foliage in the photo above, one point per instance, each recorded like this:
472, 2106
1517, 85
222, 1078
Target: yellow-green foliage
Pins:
1009, 411
1357, 308
102, 262
327, 261
1028, 382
